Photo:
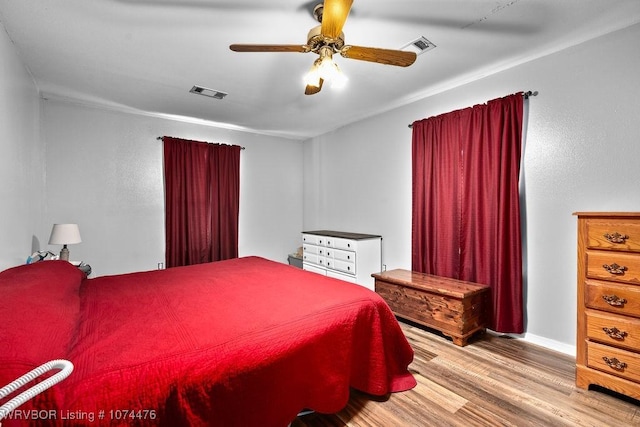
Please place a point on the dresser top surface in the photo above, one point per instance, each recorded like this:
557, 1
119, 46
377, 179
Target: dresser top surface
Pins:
608, 214
343, 234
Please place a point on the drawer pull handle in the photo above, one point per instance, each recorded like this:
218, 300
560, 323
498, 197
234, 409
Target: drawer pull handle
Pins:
616, 237
615, 268
614, 300
615, 333
614, 363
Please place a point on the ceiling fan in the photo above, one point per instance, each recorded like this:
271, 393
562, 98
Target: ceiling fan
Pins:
327, 39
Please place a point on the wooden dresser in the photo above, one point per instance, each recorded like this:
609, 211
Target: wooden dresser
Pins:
456, 308
608, 336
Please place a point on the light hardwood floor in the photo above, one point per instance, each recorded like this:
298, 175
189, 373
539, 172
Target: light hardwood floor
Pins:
493, 381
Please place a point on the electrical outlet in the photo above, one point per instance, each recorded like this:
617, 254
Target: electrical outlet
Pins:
384, 267
161, 266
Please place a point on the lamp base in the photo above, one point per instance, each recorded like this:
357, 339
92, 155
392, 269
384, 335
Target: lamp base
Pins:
64, 253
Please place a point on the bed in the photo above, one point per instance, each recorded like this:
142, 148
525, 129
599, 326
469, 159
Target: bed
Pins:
246, 342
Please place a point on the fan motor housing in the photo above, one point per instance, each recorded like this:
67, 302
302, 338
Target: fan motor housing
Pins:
315, 40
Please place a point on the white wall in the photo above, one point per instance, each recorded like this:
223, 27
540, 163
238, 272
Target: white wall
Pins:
583, 146
21, 160
104, 172
358, 179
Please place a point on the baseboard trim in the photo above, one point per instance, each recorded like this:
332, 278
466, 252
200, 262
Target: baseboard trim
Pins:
558, 346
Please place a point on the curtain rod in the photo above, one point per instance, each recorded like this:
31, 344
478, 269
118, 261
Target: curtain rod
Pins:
525, 95
161, 138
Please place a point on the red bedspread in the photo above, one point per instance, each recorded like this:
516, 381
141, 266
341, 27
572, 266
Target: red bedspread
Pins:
246, 342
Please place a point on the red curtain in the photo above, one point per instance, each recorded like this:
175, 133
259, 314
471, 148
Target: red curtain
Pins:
466, 206
202, 199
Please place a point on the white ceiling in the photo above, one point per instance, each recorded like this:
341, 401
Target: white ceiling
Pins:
145, 55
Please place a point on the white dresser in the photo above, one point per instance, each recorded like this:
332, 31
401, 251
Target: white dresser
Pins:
352, 257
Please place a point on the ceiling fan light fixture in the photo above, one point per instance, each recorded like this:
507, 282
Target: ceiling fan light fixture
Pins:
327, 67
324, 69
338, 79
312, 78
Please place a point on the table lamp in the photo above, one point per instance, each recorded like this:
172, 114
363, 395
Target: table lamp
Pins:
65, 234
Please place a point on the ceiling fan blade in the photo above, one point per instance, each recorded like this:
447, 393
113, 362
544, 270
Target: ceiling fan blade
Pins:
400, 58
312, 90
334, 15
269, 48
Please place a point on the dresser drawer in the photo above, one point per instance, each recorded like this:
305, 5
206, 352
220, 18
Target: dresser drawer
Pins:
612, 297
343, 277
314, 268
311, 249
344, 266
616, 266
614, 361
613, 234
313, 239
613, 329
314, 259
346, 244
341, 255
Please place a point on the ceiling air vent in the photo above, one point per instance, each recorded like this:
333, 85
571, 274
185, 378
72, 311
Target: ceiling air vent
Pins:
419, 46
208, 92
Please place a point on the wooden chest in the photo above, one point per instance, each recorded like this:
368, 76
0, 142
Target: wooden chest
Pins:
456, 308
608, 338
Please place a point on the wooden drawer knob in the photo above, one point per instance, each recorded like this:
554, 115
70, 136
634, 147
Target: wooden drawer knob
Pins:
615, 268
614, 363
616, 237
614, 300
615, 333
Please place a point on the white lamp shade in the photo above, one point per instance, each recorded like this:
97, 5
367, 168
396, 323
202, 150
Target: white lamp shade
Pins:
65, 234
